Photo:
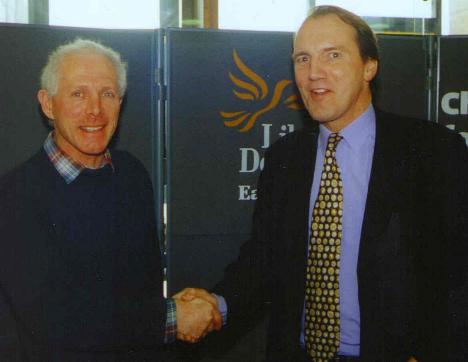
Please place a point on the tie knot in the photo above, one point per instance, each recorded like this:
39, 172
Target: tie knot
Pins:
333, 141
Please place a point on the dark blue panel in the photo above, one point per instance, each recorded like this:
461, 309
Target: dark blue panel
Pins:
24, 53
404, 68
215, 80
453, 83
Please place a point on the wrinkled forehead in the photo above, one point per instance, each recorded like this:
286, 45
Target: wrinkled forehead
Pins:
327, 26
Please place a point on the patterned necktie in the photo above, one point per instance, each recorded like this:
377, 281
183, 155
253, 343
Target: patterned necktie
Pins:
322, 310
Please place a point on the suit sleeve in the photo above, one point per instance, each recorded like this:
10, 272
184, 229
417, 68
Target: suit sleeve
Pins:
247, 282
8, 336
456, 226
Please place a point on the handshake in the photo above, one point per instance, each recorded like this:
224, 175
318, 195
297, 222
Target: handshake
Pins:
197, 314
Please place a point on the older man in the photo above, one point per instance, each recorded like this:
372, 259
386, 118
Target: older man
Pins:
80, 266
360, 229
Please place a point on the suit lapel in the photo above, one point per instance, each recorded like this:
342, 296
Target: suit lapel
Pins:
379, 196
301, 173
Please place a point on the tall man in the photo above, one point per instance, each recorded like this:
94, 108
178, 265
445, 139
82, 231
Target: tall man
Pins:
80, 266
360, 228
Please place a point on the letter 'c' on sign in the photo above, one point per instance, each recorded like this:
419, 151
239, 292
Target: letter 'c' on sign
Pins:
462, 97
445, 103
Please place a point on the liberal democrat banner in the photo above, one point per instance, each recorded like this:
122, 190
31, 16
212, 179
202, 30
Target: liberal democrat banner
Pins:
453, 83
229, 96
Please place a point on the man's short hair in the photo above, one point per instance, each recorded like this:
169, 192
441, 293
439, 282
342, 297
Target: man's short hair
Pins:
49, 75
365, 37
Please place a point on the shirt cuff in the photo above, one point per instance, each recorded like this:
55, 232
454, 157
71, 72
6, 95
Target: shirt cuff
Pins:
170, 331
222, 307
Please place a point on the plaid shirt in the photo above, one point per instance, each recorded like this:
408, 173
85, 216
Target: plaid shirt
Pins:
67, 167
70, 169
170, 332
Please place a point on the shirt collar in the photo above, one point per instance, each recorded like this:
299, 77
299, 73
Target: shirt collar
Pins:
67, 167
356, 133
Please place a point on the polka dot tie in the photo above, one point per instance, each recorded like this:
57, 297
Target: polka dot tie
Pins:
322, 309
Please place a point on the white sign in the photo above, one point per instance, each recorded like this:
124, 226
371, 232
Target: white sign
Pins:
385, 8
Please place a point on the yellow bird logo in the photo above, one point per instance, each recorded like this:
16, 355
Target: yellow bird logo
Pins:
255, 89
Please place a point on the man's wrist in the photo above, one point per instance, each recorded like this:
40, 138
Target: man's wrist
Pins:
222, 307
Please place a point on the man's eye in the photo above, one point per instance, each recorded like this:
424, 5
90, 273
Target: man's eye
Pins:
334, 55
77, 94
109, 94
301, 59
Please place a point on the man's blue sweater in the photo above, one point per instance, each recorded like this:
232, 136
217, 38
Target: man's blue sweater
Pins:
80, 266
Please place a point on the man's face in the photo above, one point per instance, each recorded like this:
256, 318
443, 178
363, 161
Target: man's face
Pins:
331, 76
86, 108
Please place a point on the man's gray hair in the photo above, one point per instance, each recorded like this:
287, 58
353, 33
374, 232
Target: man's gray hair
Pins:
49, 75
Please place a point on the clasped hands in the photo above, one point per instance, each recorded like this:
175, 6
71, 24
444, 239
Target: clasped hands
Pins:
197, 314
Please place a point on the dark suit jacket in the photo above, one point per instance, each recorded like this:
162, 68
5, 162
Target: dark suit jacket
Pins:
412, 272
49, 311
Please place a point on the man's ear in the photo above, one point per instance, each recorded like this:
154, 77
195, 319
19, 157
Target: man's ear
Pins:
46, 103
370, 69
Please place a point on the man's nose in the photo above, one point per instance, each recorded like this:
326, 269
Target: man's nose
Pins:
316, 69
94, 104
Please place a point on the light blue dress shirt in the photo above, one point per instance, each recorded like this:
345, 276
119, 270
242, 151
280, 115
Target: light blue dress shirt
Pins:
354, 157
